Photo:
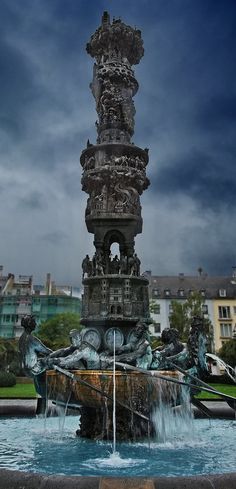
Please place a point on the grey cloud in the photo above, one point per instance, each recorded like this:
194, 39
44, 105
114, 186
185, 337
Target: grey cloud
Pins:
210, 246
33, 201
57, 237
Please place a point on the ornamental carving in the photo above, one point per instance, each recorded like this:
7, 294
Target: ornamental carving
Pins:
114, 177
116, 47
116, 41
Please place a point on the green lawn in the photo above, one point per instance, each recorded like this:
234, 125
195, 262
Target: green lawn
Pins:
224, 388
18, 390
28, 390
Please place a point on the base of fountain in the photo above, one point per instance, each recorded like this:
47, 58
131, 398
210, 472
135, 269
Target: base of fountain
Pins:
96, 424
137, 395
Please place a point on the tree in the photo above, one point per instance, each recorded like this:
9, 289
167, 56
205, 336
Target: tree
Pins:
228, 352
9, 357
183, 312
55, 332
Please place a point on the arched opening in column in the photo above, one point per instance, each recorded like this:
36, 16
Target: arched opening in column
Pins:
114, 248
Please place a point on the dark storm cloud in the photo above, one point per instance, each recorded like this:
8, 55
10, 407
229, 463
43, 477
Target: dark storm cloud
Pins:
16, 88
218, 114
209, 248
199, 176
185, 114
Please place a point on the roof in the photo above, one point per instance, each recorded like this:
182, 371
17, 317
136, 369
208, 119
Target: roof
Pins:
182, 286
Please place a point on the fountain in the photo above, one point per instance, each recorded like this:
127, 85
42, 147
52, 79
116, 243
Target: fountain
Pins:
115, 300
124, 391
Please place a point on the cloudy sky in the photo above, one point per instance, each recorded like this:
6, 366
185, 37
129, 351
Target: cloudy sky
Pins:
186, 115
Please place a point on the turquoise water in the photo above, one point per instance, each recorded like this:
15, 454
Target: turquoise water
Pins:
30, 444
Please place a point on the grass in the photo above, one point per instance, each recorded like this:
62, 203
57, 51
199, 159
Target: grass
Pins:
20, 391
228, 389
24, 391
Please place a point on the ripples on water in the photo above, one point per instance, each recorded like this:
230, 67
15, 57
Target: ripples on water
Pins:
25, 444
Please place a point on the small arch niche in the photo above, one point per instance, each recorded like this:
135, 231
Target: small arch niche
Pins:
115, 250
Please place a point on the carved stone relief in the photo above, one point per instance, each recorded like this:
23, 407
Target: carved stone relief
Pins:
114, 177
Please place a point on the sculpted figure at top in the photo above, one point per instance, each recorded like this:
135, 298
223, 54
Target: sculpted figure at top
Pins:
116, 41
115, 47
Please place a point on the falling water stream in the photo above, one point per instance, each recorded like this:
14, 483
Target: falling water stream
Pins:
114, 392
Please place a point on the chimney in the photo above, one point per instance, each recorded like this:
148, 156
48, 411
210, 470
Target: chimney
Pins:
234, 272
48, 284
181, 276
1, 270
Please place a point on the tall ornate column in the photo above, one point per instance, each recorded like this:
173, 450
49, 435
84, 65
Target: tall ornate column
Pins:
114, 177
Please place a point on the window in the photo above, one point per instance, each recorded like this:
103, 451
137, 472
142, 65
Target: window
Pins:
224, 312
52, 301
204, 309
156, 308
226, 330
222, 293
157, 328
181, 292
155, 292
167, 292
203, 292
234, 309
170, 308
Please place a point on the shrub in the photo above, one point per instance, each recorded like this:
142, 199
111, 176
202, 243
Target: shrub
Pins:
15, 368
228, 352
7, 379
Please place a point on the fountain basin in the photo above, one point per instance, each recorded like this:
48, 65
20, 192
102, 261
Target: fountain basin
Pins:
134, 389
137, 395
27, 445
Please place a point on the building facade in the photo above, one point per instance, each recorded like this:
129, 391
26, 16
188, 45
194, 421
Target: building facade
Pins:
219, 306
19, 297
